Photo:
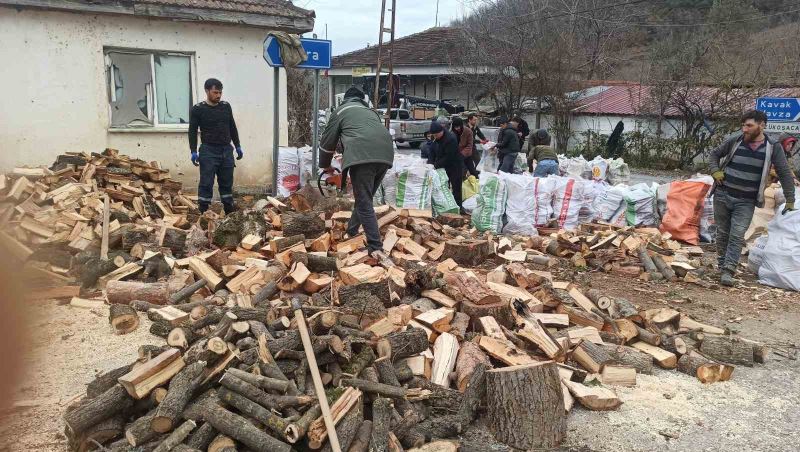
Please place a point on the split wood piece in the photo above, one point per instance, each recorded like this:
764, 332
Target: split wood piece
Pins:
361, 273
523, 277
595, 398
588, 333
204, 271
285, 257
419, 365
675, 344
462, 287
510, 293
706, 370
647, 262
591, 356
244, 279
251, 241
648, 336
614, 375
504, 351
686, 324
728, 350
501, 311
383, 327
623, 309
308, 224
390, 240
155, 372
626, 329
91, 411
168, 314
403, 344
469, 356
400, 315
181, 390
351, 245
580, 317
525, 406
459, 325
666, 270
240, 429
554, 320
535, 333
77, 302
662, 318
445, 351
316, 263
321, 243
317, 432
437, 319
125, 271
663, 358
186, 292
468, 252
491, 328
581, 300
630, 357
123, 292
411, 247
123, 318
347, 428
276, 424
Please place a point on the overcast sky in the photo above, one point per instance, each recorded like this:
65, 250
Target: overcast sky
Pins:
352, 24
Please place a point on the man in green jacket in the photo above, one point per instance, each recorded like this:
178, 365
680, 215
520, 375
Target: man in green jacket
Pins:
539, 151
368, 154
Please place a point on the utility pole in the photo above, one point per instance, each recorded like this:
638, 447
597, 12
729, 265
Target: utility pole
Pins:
437, 13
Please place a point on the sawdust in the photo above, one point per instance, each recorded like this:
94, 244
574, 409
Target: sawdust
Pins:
68, 348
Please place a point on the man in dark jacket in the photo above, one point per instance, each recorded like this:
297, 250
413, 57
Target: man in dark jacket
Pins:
214, 118
448, 157
522, 130
507, 145
368, 154
740, 167
477, 137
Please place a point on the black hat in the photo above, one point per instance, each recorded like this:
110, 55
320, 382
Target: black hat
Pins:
502, 120
353, 92
542, 135
436, 127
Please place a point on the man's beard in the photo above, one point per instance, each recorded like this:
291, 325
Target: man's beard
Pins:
751, 136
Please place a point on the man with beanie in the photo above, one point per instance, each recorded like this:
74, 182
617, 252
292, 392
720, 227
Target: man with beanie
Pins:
214, 118
539, 151
368, 154
507, 145
449, 158
740, 167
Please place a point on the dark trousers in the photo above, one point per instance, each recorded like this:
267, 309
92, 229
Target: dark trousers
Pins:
456, 177
507, 162
365, 180
216, 162
732, 217
469, 162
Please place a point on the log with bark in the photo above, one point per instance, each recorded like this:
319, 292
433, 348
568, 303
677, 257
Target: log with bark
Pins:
403, 344
465, 288
123, 318
240, 429
181, 389
123, 292
308, 224
468, 252
501, 311
706, 370
728, 350
469, 357
91, 411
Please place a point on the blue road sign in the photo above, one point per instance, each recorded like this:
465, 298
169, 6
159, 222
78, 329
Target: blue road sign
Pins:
780, 109
318, 50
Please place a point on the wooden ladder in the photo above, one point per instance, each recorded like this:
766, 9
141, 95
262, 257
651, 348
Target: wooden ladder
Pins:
390, 80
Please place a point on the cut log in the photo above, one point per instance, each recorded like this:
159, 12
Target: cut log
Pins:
123, 318
266, 383
181, 389
666, 270
465, 288
525, 406
181, 337
626, 329
123, 292
316, 263
201, 438
595, 398
91, 411
535, 333
240, 429
361, 273
631, 357
706, 370
674, 344
222, 443
276, 424
468, 252
186, 292
381, 418
501, 311
662, 357
687, 324
176, 438
580, 317
139, 432
591, 356
308, 224
647, 261
205, 272
362, 439
602, 301
648, 336
140, 381
403, 344
445, 351
728, 350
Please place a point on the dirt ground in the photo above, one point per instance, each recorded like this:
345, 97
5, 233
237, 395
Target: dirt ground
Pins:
668, 411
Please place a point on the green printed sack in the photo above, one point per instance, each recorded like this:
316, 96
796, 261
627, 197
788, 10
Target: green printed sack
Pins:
492, 197
414, 188
441, 197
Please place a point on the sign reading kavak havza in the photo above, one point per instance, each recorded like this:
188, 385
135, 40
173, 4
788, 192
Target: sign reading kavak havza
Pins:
783, 113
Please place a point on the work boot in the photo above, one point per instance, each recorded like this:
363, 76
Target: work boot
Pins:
727, 279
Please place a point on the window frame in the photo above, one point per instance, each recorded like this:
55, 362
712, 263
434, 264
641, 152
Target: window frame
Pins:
152, 97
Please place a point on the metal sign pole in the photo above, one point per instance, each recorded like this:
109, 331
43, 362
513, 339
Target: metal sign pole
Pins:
315, 127
276, 75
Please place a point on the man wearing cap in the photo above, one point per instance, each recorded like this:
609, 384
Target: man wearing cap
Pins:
368, 154
507, 145
539, 151
449, 158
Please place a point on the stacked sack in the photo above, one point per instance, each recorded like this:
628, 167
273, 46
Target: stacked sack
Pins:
568, 200
640, 208
681, 205
490, 204
442, 200
521, 204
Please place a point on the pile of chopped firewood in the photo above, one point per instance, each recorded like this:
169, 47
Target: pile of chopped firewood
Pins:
258, 313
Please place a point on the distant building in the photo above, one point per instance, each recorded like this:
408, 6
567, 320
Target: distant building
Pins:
84, 75
421, 60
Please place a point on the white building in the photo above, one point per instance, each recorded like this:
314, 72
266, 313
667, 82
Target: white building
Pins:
85, 75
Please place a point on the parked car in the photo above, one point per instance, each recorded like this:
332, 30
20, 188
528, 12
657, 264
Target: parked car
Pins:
406, 129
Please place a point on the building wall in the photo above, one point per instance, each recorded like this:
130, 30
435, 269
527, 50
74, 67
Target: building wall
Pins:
604, 125
55, 90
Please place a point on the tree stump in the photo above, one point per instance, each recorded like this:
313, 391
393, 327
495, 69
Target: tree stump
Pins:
501, 311
123, 318
526, 406
468, 252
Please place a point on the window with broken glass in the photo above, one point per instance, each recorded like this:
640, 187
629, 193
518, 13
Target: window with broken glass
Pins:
149, 89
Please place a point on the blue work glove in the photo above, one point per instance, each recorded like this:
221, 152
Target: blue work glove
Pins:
239, 153
195, 158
